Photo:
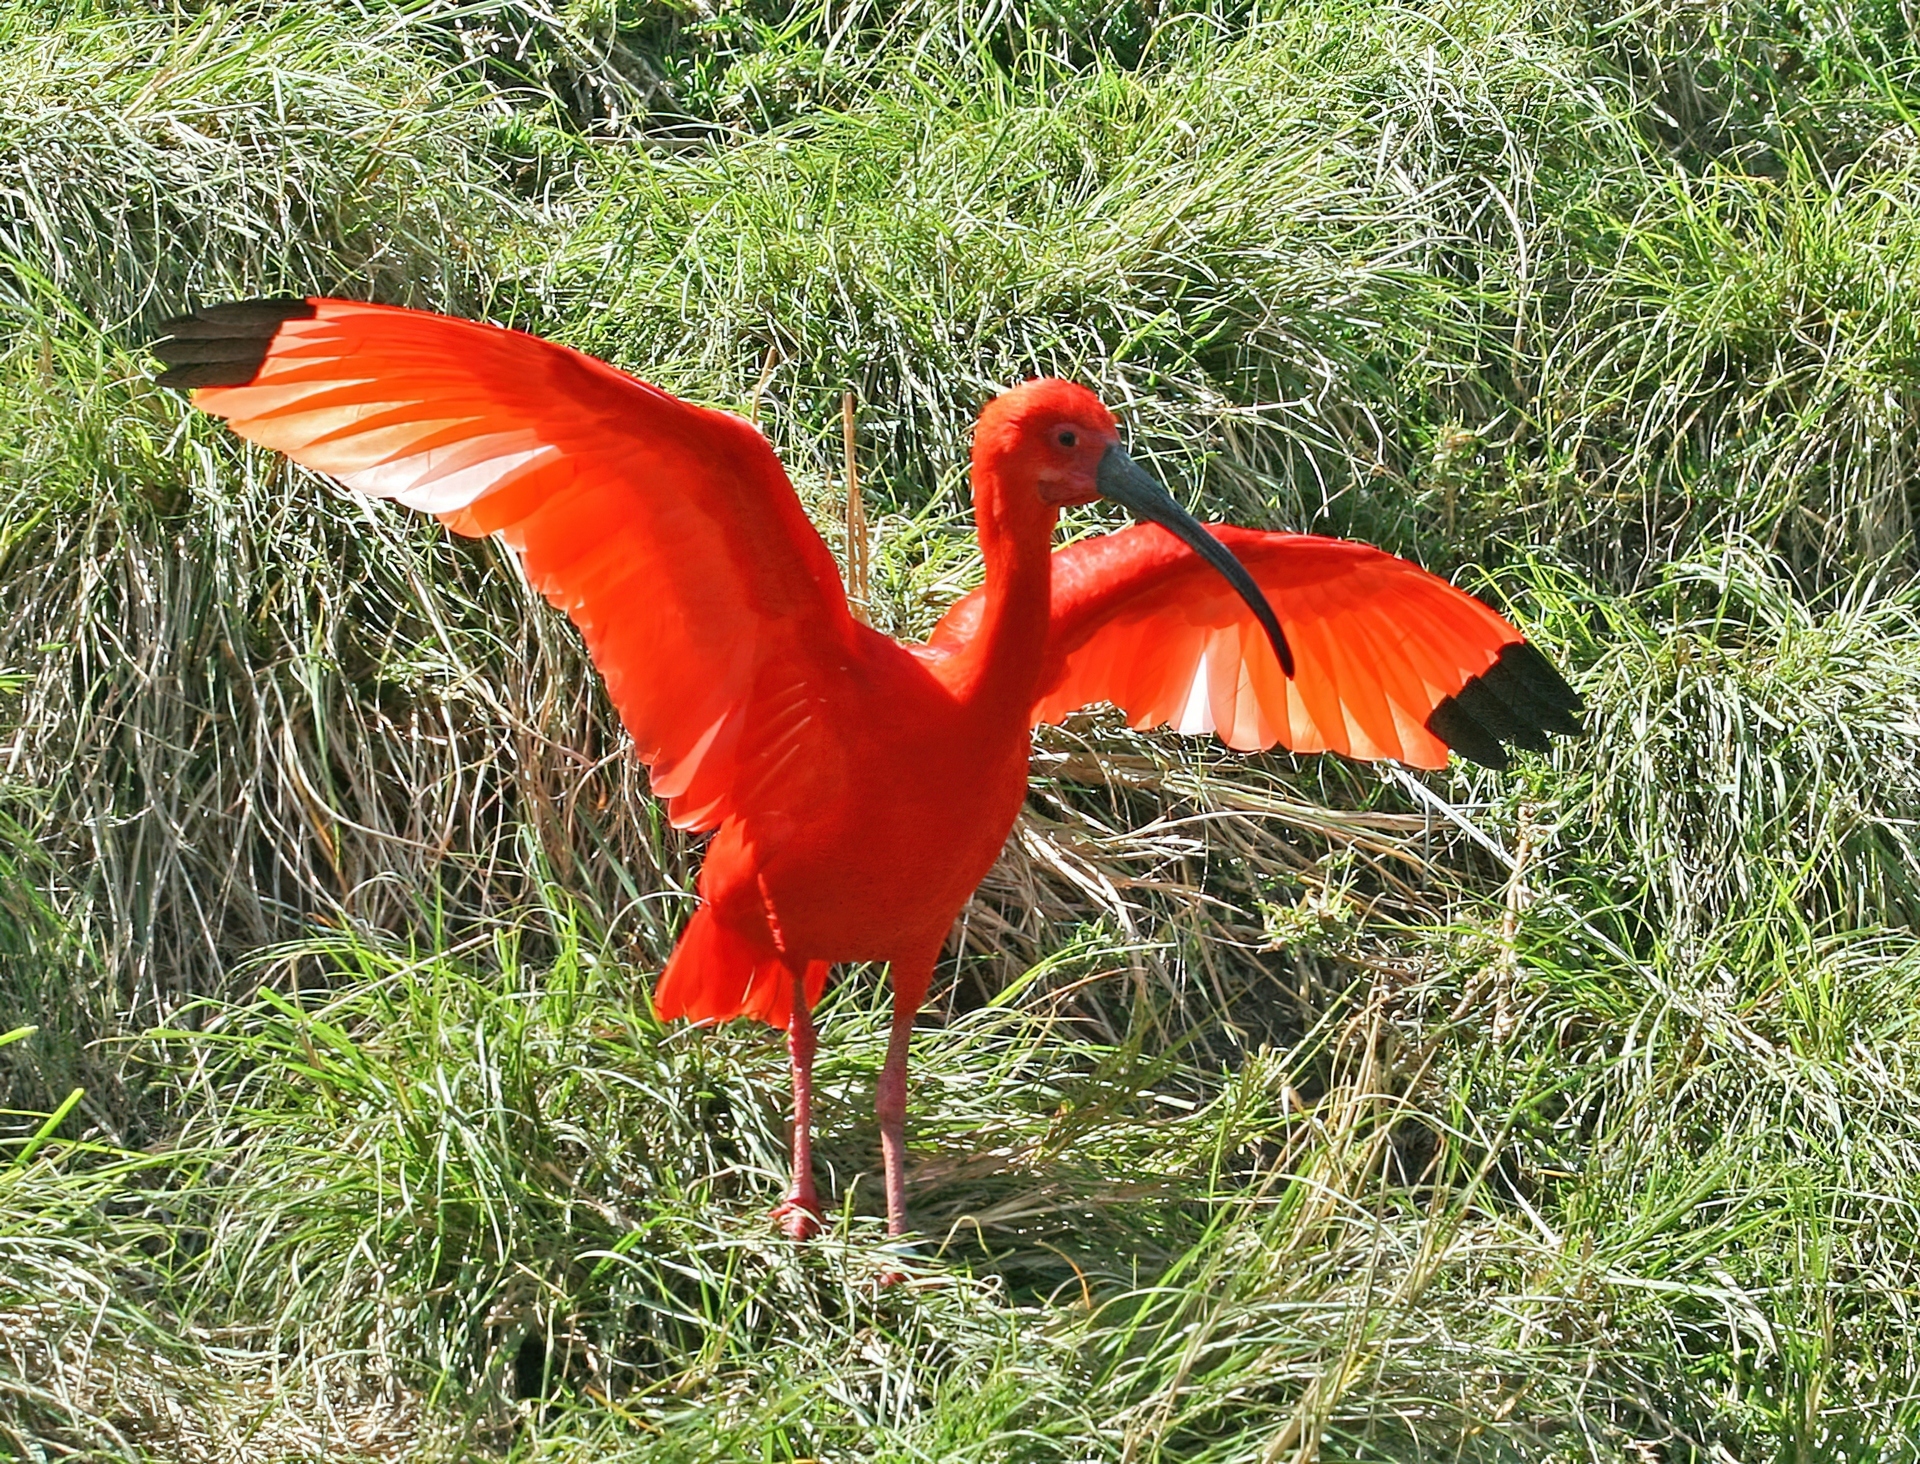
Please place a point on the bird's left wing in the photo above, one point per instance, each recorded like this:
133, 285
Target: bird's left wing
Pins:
667, 531
1390, 661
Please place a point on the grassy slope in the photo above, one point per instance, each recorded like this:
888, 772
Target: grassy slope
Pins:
1268, 1112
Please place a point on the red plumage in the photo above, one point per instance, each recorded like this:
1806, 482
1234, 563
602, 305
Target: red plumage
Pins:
859, 789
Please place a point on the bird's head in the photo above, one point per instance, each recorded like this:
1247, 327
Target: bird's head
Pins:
1046, 437
1048, 444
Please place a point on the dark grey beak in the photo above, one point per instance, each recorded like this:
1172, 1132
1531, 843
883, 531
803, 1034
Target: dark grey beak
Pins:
1124, 481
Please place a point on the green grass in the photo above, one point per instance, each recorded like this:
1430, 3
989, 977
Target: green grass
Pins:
1267, 1108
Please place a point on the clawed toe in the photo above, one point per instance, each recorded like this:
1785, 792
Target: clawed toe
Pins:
798, 1217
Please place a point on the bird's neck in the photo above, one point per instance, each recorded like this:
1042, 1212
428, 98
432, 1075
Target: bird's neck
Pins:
999, 670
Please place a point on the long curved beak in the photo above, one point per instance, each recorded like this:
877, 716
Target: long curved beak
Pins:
1124, 481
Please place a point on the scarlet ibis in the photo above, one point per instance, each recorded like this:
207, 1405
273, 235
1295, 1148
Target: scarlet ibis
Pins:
858, 789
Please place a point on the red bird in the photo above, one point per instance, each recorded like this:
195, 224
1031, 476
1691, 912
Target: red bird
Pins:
858, 789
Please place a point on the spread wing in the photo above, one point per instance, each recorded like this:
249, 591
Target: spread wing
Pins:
1390, 661
667, 531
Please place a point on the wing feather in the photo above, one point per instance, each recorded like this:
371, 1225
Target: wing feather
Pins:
1390, 661
667, 531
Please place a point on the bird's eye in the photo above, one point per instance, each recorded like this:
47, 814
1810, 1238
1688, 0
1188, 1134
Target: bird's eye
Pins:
1066, 437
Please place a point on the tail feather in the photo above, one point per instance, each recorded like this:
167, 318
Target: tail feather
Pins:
716, 974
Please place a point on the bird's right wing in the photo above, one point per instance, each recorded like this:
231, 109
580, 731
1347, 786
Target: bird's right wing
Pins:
1389, 661
667, 531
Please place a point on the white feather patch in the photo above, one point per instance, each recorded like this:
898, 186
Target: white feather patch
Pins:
412, 481
1197, 714
365, 449
1247, 731
1303, 735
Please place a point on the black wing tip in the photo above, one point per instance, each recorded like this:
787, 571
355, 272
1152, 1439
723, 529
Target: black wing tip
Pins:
226, 344
1453, 725
1519, 699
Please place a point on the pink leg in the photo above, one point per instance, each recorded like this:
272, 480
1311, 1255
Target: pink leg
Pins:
799, 1213
910, 980
890, 1102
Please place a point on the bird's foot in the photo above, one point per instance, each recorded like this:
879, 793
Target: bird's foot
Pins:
799, 1216
898, 1249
